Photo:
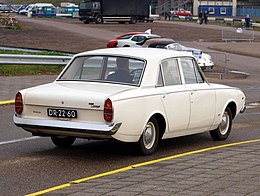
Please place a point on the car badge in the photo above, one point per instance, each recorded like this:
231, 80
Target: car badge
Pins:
93, 105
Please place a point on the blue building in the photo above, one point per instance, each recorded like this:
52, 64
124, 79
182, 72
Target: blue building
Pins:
219, 8
216, 8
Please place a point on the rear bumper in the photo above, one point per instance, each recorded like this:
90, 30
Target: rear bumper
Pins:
66, 128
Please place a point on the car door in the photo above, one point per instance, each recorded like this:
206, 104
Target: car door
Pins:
175, 97
202, 95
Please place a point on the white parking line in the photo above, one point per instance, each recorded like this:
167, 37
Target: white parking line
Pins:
19, 140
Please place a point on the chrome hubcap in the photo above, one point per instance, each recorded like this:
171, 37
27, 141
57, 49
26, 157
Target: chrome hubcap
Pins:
224, 125
149, 135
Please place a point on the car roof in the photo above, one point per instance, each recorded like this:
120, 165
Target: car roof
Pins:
158, 40
131, 33
147, 35
141, 53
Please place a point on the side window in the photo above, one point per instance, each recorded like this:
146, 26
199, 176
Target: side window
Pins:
96, 5
135, 38
138, 38
190, 71
170, 71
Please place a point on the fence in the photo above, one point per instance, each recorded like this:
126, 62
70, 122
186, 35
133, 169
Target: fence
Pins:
220, 61
220, 64
238, 34
253, 11
33, 59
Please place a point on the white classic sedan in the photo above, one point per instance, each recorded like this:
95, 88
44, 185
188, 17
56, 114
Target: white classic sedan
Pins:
137, 95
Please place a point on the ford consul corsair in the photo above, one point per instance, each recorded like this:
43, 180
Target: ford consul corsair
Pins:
138, 95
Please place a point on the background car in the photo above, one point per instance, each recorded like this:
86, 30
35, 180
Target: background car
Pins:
167, 96
182, 12
157, 42
203, 59
22, 7
6, 8
25, 9
113, 43
136, 40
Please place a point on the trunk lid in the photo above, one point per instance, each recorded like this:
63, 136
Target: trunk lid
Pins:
82, 95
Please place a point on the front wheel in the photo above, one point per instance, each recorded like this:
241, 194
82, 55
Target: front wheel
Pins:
63, 141
150, 137
224, 128
99, 19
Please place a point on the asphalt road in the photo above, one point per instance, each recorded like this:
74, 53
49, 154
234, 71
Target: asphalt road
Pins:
35, 164
29, 164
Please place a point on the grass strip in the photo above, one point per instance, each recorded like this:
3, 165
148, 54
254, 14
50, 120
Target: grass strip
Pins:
54, 53
22, 70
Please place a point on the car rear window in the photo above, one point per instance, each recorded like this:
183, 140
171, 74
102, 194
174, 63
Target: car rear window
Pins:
109, 69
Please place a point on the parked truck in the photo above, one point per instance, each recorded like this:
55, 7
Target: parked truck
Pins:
120, 11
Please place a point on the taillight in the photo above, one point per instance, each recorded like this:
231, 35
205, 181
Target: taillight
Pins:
108, 110
18, 103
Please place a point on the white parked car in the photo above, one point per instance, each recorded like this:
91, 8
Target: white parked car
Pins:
31, 7
135, 40
26, 9
138, 95
203, 59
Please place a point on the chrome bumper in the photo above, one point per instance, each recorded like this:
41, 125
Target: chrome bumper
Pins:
242, 110
67, 128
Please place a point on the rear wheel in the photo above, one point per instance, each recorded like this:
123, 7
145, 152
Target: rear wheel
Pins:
224, 128
63, 141
133, 20
150, 137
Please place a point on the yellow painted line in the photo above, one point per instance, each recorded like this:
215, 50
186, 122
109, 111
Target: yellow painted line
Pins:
139, 165
6, 102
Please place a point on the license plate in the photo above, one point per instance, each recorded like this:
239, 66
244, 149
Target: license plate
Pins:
61, 113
